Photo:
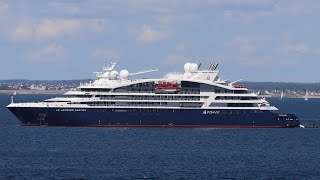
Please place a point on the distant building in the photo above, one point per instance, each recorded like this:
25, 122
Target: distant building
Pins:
37, 87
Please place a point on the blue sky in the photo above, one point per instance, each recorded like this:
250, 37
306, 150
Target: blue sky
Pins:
255, 40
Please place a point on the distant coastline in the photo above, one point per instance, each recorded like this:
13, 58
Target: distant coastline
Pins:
274, 89
291, 97
64, 91
32, 91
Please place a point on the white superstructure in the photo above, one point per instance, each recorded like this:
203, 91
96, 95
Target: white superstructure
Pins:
192, 89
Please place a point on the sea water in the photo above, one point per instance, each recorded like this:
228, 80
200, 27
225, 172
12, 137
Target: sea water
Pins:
187, 153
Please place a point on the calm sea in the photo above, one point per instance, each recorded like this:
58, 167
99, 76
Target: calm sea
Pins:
165, 153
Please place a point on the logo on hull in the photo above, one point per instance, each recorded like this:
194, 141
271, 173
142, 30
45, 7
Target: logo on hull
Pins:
210, 112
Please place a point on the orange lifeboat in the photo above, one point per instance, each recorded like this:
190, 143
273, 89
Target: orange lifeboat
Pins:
171, 87
239, 86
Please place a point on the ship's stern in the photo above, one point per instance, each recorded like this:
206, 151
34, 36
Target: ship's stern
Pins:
289, 120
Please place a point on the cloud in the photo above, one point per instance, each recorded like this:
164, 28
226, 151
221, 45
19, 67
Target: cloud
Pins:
51, 53
97, 25
57, 27
245, 11
245, 16
67, 7
294, 48
243, 43
23, 31
151, 6
165, 20
242, 14
294, 8
239, 2
103, 54
240, 40
3, 7
149, 34
248, 49
256, 62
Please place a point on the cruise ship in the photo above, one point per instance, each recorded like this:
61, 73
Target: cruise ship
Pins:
194, 98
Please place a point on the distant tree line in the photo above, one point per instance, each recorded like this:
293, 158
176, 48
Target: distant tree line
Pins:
24, 81
282, 86
251, 85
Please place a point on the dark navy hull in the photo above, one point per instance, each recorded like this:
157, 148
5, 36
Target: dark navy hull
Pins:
153, 117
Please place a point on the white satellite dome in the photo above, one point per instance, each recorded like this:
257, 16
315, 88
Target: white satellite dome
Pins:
114, 74
187, 67
193, 67
124, 74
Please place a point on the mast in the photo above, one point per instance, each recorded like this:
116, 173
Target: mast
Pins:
307, 95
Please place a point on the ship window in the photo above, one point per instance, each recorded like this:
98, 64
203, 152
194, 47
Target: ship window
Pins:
229, 111
245, 98
240, 104
223, 112
236, 112
255, 111
190, 84
240, 92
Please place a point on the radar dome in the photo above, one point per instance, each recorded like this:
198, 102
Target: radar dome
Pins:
124, 74
193, 67
114, 74
187, 67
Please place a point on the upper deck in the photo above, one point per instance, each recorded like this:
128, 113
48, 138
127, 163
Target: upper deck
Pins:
201, 80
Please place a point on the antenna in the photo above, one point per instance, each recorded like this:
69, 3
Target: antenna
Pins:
199, 65
142, 72
231, 83
236, 81
110, 68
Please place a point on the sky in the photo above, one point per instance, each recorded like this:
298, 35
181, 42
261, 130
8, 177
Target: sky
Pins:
253, 40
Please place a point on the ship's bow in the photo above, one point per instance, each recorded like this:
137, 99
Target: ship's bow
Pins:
27, 115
